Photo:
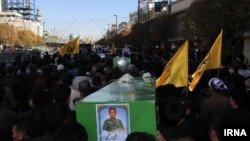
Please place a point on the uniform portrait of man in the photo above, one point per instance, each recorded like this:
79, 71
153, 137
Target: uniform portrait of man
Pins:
113, 121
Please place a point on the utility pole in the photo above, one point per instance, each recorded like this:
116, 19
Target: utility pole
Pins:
115, 21
169, 7
138, 12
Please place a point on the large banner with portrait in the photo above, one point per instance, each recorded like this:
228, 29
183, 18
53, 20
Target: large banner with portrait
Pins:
112, 122
118, 109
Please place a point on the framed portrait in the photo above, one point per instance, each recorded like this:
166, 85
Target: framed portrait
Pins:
113, 123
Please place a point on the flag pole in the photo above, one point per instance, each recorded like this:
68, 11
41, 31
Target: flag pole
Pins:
218, 71
186, 91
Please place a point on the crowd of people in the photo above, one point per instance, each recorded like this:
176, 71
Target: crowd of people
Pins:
38, 96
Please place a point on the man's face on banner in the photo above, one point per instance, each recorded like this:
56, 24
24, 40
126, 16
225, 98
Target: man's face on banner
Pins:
112, 114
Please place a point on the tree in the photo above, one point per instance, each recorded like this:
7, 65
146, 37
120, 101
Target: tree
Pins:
140, 34
27, 38
11, 37
8, 35
205, 18
163, 28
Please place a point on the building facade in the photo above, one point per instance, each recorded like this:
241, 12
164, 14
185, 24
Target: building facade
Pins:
147, 11
21, 15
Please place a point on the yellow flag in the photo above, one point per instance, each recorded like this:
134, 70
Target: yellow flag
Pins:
72, 47
176, 70
211, 61
113, 49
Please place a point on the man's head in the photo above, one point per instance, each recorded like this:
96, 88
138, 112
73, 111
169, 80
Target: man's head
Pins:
247, 84
71, 131
140, 136
217, 85
239, 98
112, 112
24, 127
84, 87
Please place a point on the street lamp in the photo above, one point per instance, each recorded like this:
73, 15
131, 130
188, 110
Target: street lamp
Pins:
44, 29
108, 26
44, 34
54, 31
115, 21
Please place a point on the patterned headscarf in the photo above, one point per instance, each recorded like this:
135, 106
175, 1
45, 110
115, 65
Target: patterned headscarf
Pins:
217, 84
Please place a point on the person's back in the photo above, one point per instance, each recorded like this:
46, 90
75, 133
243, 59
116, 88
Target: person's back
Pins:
9, 99
54, 115
32, 77
140, 136
66, 79
214, 106
61, 93
84, 87
38, 99
133, 71
235, 78
71, 131
9, 80
24, 128
171, 119
6, 118
238, 116
247, 85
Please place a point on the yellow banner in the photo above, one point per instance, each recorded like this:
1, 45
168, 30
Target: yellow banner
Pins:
211, 61
176, 70
72, 47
